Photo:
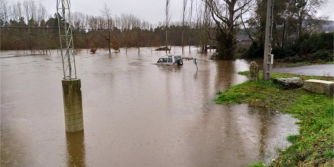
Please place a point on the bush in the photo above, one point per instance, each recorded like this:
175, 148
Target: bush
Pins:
256, 50
309, 47
293, 59
283, 53
241, 50
319, 56
308, 44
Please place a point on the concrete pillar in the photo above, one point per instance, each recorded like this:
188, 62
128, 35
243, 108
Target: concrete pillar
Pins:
254, 71
72, 105
76, 154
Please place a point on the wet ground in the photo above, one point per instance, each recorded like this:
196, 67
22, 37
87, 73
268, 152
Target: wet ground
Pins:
135, 113
314, 70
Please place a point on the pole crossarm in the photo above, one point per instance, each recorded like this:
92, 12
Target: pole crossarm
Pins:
66, 39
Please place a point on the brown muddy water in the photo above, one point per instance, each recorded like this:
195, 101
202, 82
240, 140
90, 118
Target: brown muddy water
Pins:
136, 114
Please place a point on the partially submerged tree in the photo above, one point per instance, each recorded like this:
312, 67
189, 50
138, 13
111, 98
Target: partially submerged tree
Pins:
92, 47
115, 44
183, 21
204, 24
106, 13
190, 22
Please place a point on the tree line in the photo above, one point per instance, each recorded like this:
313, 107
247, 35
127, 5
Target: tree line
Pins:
27, 26
204, 22
295, 26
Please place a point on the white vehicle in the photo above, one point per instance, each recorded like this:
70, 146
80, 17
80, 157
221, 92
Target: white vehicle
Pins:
170, 60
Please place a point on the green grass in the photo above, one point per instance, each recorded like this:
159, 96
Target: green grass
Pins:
293, 138
257, 164
314, 146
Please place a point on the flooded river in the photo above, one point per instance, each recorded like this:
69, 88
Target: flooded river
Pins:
136, 114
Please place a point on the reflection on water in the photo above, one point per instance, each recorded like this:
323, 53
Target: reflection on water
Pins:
75, 149
135, 113
229, 136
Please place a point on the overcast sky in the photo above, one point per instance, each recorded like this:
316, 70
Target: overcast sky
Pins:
152, 11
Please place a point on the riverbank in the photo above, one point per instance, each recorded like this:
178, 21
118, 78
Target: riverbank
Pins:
315, 144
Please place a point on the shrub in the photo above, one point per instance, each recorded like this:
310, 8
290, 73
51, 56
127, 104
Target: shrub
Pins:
319, 56
256, 50
293, 59
309, 47
283, 53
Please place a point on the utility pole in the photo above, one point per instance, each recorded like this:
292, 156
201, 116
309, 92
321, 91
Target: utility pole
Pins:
167, 22
268, 57
70, 83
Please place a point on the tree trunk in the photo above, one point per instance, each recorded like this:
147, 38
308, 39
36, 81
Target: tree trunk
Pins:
109, 40
182, 41
283, 36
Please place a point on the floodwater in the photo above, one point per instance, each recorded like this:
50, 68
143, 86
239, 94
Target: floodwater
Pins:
136, 114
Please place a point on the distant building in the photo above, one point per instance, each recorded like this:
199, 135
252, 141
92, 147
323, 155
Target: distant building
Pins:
319, 26
243, 39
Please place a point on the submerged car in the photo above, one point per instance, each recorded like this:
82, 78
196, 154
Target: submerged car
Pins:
170, 60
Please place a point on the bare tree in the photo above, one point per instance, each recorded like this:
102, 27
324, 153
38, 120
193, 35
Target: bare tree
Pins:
30, 9
41, 13
136, 31
183, 21
106, 12
4, 12
79, 21
125, 26
93, 28
304, 11
17, 11
190, 21
226, 14
203, 25
26, 9
33, 9
167, 22
129, 22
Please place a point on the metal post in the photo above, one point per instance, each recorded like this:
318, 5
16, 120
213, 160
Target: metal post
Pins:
267, 66
65, 36
70, 83
195, 62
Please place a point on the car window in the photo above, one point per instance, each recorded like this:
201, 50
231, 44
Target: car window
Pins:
164, 60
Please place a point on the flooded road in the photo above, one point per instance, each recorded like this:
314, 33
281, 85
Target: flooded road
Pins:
136, 114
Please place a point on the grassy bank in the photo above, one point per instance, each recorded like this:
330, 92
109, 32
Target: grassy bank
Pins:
315, 144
